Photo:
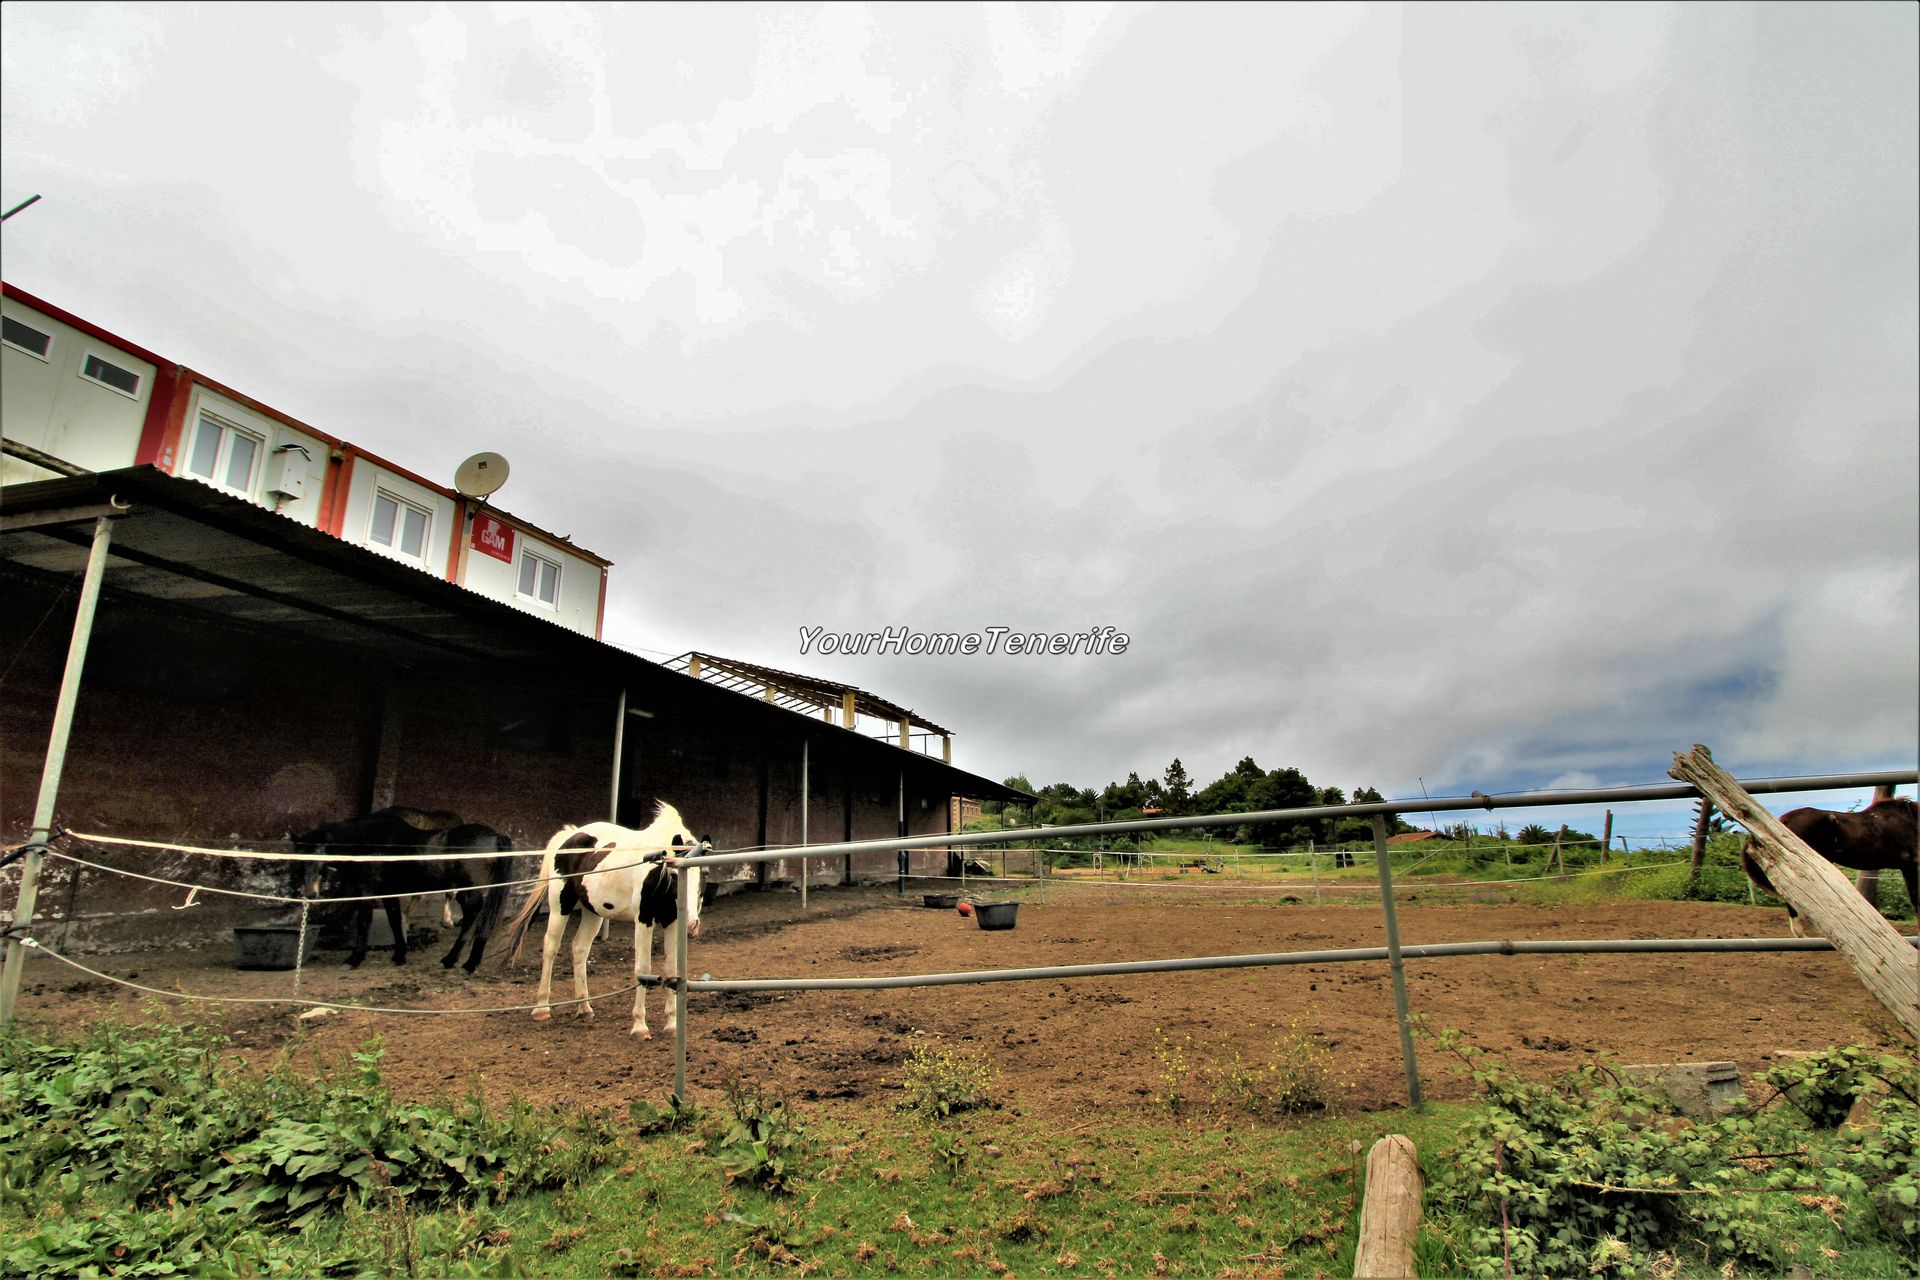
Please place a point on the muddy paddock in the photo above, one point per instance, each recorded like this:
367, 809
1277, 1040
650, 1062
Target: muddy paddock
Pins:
1062, 1046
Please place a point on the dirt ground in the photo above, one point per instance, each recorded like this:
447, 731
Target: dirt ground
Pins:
1066, 1047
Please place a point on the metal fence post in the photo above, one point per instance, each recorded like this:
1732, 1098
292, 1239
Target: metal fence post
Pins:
805, 862
680, 992
56, 761
1393, 957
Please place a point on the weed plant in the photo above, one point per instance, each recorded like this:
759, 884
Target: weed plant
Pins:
941, 1081
765, 1145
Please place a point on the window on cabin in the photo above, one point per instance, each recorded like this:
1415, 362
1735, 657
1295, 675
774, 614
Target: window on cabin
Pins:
400, 524
24, 337
225, 455
110, 375
539, 579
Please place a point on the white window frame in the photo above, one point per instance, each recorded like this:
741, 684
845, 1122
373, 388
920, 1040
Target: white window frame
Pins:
528, 556
52, 338
402, 505
116, 360
223, 452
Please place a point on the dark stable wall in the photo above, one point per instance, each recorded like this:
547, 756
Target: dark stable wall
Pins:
200, 732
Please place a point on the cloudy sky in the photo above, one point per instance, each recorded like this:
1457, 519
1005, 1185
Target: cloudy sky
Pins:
1456, 398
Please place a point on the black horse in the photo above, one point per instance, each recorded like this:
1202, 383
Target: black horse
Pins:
478, 884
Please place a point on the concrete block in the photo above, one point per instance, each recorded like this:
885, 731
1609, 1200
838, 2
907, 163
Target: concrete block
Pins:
1703, 1090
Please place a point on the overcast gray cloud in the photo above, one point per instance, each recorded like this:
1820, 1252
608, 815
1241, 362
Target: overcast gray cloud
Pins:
1494, 398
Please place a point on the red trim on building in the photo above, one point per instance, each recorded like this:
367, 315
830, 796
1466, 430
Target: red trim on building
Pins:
600, 613
85, 326
153, 432
173, 435
459, 541
166, 425
342, 481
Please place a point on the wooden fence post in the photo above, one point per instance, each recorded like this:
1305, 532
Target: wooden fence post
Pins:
1701, 822
1390, 1213
1606, 838
1883, 960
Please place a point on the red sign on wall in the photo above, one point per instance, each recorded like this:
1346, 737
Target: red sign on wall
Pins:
493, 537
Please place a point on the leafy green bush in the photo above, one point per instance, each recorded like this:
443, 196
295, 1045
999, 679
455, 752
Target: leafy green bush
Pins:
1590, 1177
151, 1119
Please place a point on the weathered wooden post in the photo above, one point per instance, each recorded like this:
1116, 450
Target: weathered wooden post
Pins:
1606, 838
1701, 822
1885, 963
1390, 1213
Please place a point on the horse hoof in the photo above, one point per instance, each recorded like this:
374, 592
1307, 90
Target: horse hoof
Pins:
643, 1033
448, 964
399, 959
542, 1014
353, 964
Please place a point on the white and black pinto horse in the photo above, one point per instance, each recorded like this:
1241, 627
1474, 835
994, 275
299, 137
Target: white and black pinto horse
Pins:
1885, 836
601, 872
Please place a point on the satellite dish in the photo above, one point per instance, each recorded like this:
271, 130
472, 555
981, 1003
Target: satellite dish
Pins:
479, 476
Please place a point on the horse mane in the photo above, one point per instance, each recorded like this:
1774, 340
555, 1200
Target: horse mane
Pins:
423, 819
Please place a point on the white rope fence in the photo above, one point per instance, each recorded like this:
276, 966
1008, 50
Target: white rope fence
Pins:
34, 944
1325, 886
648, 855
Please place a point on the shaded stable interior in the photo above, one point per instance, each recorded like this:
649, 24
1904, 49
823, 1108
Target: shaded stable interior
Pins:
249, 677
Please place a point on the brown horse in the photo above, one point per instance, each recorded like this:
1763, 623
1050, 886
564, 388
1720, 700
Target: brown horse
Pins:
479, 885
1882, 837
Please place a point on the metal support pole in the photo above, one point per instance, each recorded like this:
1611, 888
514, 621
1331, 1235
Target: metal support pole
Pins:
1393, 957
804, 861
900, 855
619, 746
680, 992
56, 762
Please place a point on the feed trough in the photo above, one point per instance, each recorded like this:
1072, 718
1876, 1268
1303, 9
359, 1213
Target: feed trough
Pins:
995, 915
945, 901
269, 946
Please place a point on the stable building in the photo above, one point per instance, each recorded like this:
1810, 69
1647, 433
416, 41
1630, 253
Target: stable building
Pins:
291, 630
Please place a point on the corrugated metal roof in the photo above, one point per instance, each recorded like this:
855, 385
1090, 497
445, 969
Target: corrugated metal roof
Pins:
792, 688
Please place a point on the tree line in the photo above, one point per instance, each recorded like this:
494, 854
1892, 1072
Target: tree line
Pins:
1245, 788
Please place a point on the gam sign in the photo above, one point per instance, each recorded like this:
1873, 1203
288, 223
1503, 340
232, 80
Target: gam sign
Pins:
493, 537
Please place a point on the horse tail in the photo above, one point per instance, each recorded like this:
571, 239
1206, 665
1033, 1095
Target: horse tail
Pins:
494, 899
517, 927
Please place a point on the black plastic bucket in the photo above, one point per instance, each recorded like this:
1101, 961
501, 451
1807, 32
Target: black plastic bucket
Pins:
996, 915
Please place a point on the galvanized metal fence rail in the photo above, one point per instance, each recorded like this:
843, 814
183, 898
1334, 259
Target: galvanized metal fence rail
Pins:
1394, 953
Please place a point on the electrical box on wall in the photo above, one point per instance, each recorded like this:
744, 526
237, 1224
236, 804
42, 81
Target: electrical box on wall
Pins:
287, 473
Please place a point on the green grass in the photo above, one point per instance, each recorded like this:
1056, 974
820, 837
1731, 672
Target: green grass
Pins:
757, 1187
